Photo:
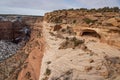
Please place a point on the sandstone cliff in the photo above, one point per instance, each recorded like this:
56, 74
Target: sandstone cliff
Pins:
106, 24
81, 45
69, 44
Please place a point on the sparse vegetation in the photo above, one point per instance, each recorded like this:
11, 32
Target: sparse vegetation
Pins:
63, 30
71, 43
67, 30
28, 75
59, 15
78, 42
88, 21
74, 21
48, 72
49, 62
52, 34
46, 78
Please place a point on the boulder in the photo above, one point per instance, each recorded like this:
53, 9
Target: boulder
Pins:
118, 19
98, 15
111, 21
91, 17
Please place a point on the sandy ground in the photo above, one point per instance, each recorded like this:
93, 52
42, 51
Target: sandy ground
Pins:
77, 64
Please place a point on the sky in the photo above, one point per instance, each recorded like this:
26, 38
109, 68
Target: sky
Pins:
39, 7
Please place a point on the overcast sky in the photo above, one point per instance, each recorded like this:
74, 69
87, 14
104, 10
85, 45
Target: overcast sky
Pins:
39, 7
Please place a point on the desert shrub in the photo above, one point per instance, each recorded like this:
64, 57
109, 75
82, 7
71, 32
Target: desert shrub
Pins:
88, 21
78, 42
28, 75
45, 78
48, 72
74, 39
70, 9
107, 9
116, 9
83, 9
74, 21
71, 43
57, 20
66, 38
67, 30
49, 62
52, 34
70, 30
63, 30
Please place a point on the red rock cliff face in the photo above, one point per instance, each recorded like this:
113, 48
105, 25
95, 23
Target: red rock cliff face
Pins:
11, 30
28, 59
6, 32
17, 26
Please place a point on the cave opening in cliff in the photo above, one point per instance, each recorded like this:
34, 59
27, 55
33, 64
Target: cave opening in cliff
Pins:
91, 33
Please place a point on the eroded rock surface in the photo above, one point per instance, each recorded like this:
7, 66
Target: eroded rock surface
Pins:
96, 58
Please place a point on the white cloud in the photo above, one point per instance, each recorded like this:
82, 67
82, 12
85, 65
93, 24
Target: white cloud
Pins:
23, 11
99, 3
36, 4
41, 6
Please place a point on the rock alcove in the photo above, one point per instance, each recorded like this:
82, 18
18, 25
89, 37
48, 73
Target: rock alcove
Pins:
89, 32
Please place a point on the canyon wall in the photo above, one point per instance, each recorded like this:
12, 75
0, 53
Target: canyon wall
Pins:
14, 28
26, 60
81, 44
6, 32
105, 23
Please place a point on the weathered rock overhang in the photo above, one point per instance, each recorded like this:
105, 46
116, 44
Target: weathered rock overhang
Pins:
90, 32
